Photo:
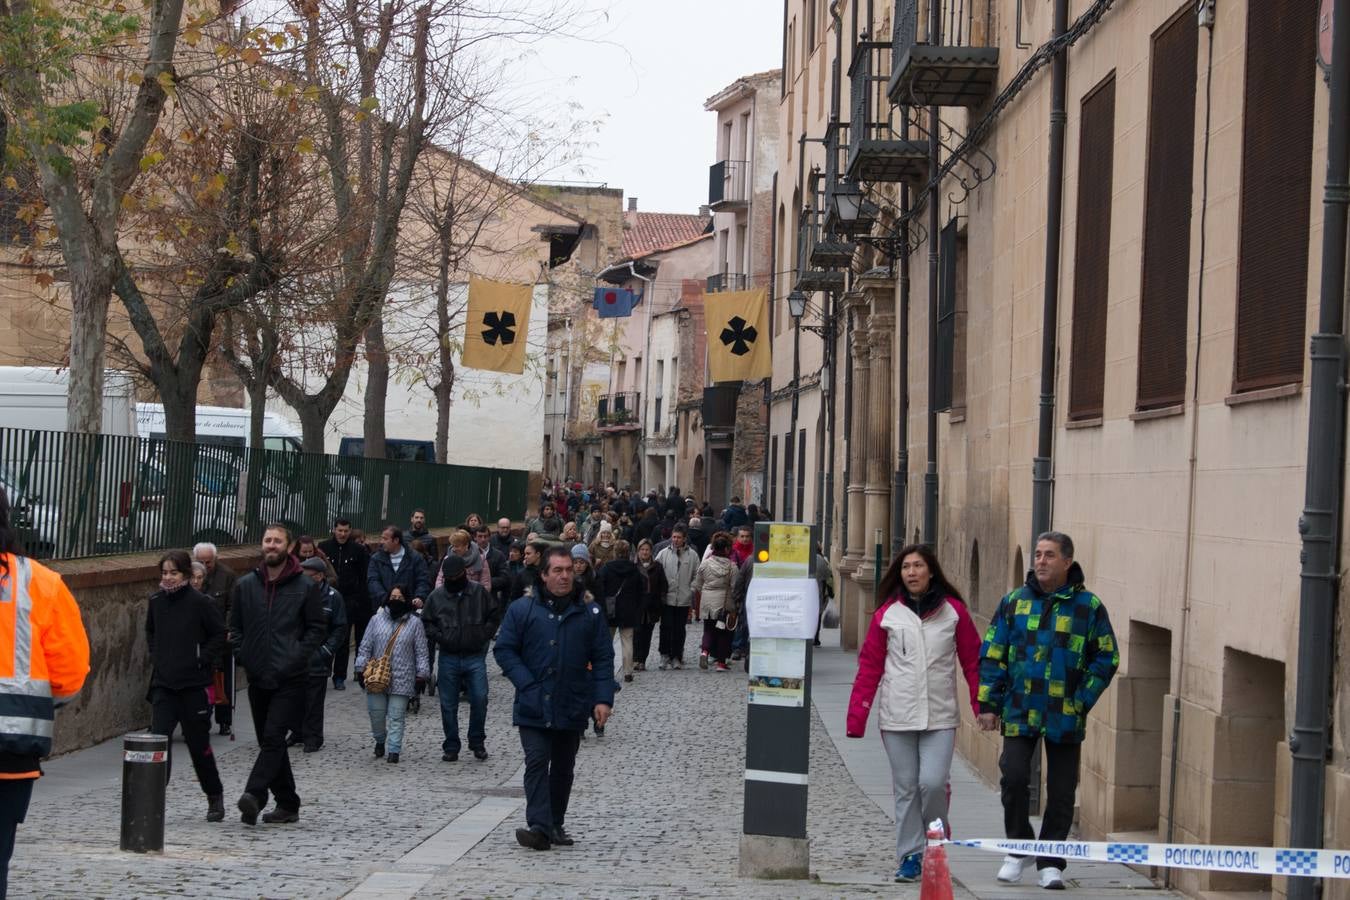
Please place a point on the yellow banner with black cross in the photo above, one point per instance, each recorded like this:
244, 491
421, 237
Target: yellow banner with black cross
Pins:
738, 335
496, 325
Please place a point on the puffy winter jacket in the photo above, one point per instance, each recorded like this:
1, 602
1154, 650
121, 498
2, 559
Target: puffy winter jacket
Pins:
561, 663
1047, 659
462, 620
275, 626
351, 560
411, 577
716, 577
910, 655
186, 634
335, 635
622, 585
408, 659
680, 568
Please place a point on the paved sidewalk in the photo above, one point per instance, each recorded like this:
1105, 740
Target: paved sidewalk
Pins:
975, 808
656, 810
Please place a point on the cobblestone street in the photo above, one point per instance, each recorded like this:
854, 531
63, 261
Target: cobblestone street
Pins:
656, 811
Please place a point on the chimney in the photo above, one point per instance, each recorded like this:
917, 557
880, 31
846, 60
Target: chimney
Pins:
704, 211
632, 204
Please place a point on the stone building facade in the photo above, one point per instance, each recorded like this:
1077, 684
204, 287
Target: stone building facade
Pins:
1194, 166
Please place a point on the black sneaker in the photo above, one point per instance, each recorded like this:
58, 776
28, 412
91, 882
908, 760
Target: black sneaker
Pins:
599, 731
248, 809
479, 752
379, 749
535, 840
449, 757
415, 705
393, 758
215, 808
560, 837
226, 731
313, 748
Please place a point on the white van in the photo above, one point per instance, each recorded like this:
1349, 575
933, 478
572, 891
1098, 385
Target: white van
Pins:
226, 426
34, 397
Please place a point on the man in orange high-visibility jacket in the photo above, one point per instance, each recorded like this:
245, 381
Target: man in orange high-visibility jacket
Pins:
44, 658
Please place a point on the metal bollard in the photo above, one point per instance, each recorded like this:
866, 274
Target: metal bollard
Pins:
145, 775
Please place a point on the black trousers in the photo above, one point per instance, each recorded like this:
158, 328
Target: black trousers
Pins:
642, 642
190, 710
550, 757
311, 725
14, 796
225, 705
674, 620
275, 711
1061, 783
358, 614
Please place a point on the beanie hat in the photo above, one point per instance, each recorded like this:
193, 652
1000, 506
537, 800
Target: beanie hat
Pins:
579, 551
453, 567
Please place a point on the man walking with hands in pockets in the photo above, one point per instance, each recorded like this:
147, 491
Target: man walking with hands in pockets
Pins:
1047, 658
554, 645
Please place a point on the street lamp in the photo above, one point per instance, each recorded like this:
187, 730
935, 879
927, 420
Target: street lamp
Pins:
853, 212
796, 301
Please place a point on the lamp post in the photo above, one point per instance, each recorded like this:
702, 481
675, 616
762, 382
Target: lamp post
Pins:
796, 308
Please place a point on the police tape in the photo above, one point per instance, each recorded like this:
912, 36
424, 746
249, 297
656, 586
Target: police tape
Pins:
1247, 860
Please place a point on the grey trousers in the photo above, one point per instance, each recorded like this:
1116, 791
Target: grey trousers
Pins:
921, 763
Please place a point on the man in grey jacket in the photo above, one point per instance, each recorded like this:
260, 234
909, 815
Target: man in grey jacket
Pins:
680, 563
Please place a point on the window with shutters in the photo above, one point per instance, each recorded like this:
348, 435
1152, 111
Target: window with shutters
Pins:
1165, 279
1277, 140
1092, 251
950, 385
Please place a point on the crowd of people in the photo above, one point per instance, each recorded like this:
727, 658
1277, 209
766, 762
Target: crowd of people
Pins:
406, 621
549, 603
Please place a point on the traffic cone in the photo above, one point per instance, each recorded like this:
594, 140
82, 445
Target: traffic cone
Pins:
937, 878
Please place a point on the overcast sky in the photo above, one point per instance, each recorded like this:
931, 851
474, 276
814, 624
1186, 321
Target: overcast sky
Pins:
648, 75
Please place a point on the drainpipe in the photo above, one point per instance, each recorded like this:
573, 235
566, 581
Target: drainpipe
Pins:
848, 421
1042, 472
1320, 522
831, 345
930, 476
900, 488
789, 476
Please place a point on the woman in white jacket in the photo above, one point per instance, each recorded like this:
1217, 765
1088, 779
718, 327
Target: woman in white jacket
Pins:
715, 577
918, 637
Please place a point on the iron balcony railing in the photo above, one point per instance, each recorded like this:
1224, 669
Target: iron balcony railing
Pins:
820, 257
76, 495
959, 68
728, 183
619, 409
727, 281
877, 152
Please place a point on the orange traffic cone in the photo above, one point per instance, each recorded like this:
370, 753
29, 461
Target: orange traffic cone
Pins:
937, 878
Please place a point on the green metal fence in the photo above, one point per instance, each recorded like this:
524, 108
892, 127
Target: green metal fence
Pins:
78, 495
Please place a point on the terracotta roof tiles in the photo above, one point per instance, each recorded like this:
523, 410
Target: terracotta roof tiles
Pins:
645, 232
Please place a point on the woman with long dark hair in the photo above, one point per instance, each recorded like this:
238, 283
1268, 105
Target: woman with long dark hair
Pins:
186, 634
918, 636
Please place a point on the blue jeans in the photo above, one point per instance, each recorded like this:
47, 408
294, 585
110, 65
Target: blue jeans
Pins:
740, 638
390, 710
471, 670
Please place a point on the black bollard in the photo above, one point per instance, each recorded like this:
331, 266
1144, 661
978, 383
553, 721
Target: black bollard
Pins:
145, 774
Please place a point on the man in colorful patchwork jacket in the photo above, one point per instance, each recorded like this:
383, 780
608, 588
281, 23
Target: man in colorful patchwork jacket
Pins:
1047, 658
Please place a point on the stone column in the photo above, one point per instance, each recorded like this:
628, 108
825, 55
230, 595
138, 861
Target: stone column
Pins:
850, 603
880, 420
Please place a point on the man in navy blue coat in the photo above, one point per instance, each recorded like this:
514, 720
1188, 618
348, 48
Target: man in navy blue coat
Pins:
556, 649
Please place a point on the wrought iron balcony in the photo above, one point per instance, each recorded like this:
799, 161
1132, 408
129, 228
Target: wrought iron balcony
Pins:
620, 410
728, 184
820, 257
959, 68
727, 281
719, 405
876, 152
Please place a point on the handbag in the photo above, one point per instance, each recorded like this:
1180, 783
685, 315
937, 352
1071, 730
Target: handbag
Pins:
379, 671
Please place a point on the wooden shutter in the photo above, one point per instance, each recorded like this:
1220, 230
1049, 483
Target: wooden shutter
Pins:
1092, 251
1277, 135
946, 319
1165, 282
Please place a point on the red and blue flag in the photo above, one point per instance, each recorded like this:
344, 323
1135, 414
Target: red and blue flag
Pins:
615, 303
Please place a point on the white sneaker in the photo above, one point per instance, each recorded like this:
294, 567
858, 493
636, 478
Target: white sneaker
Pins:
1052, 879
1011, 870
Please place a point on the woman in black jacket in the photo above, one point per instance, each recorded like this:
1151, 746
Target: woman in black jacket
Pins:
653, 600
621, 589
186, 635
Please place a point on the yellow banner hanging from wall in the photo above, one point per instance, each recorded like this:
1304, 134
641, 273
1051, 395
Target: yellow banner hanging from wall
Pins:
496, 326
738, 335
